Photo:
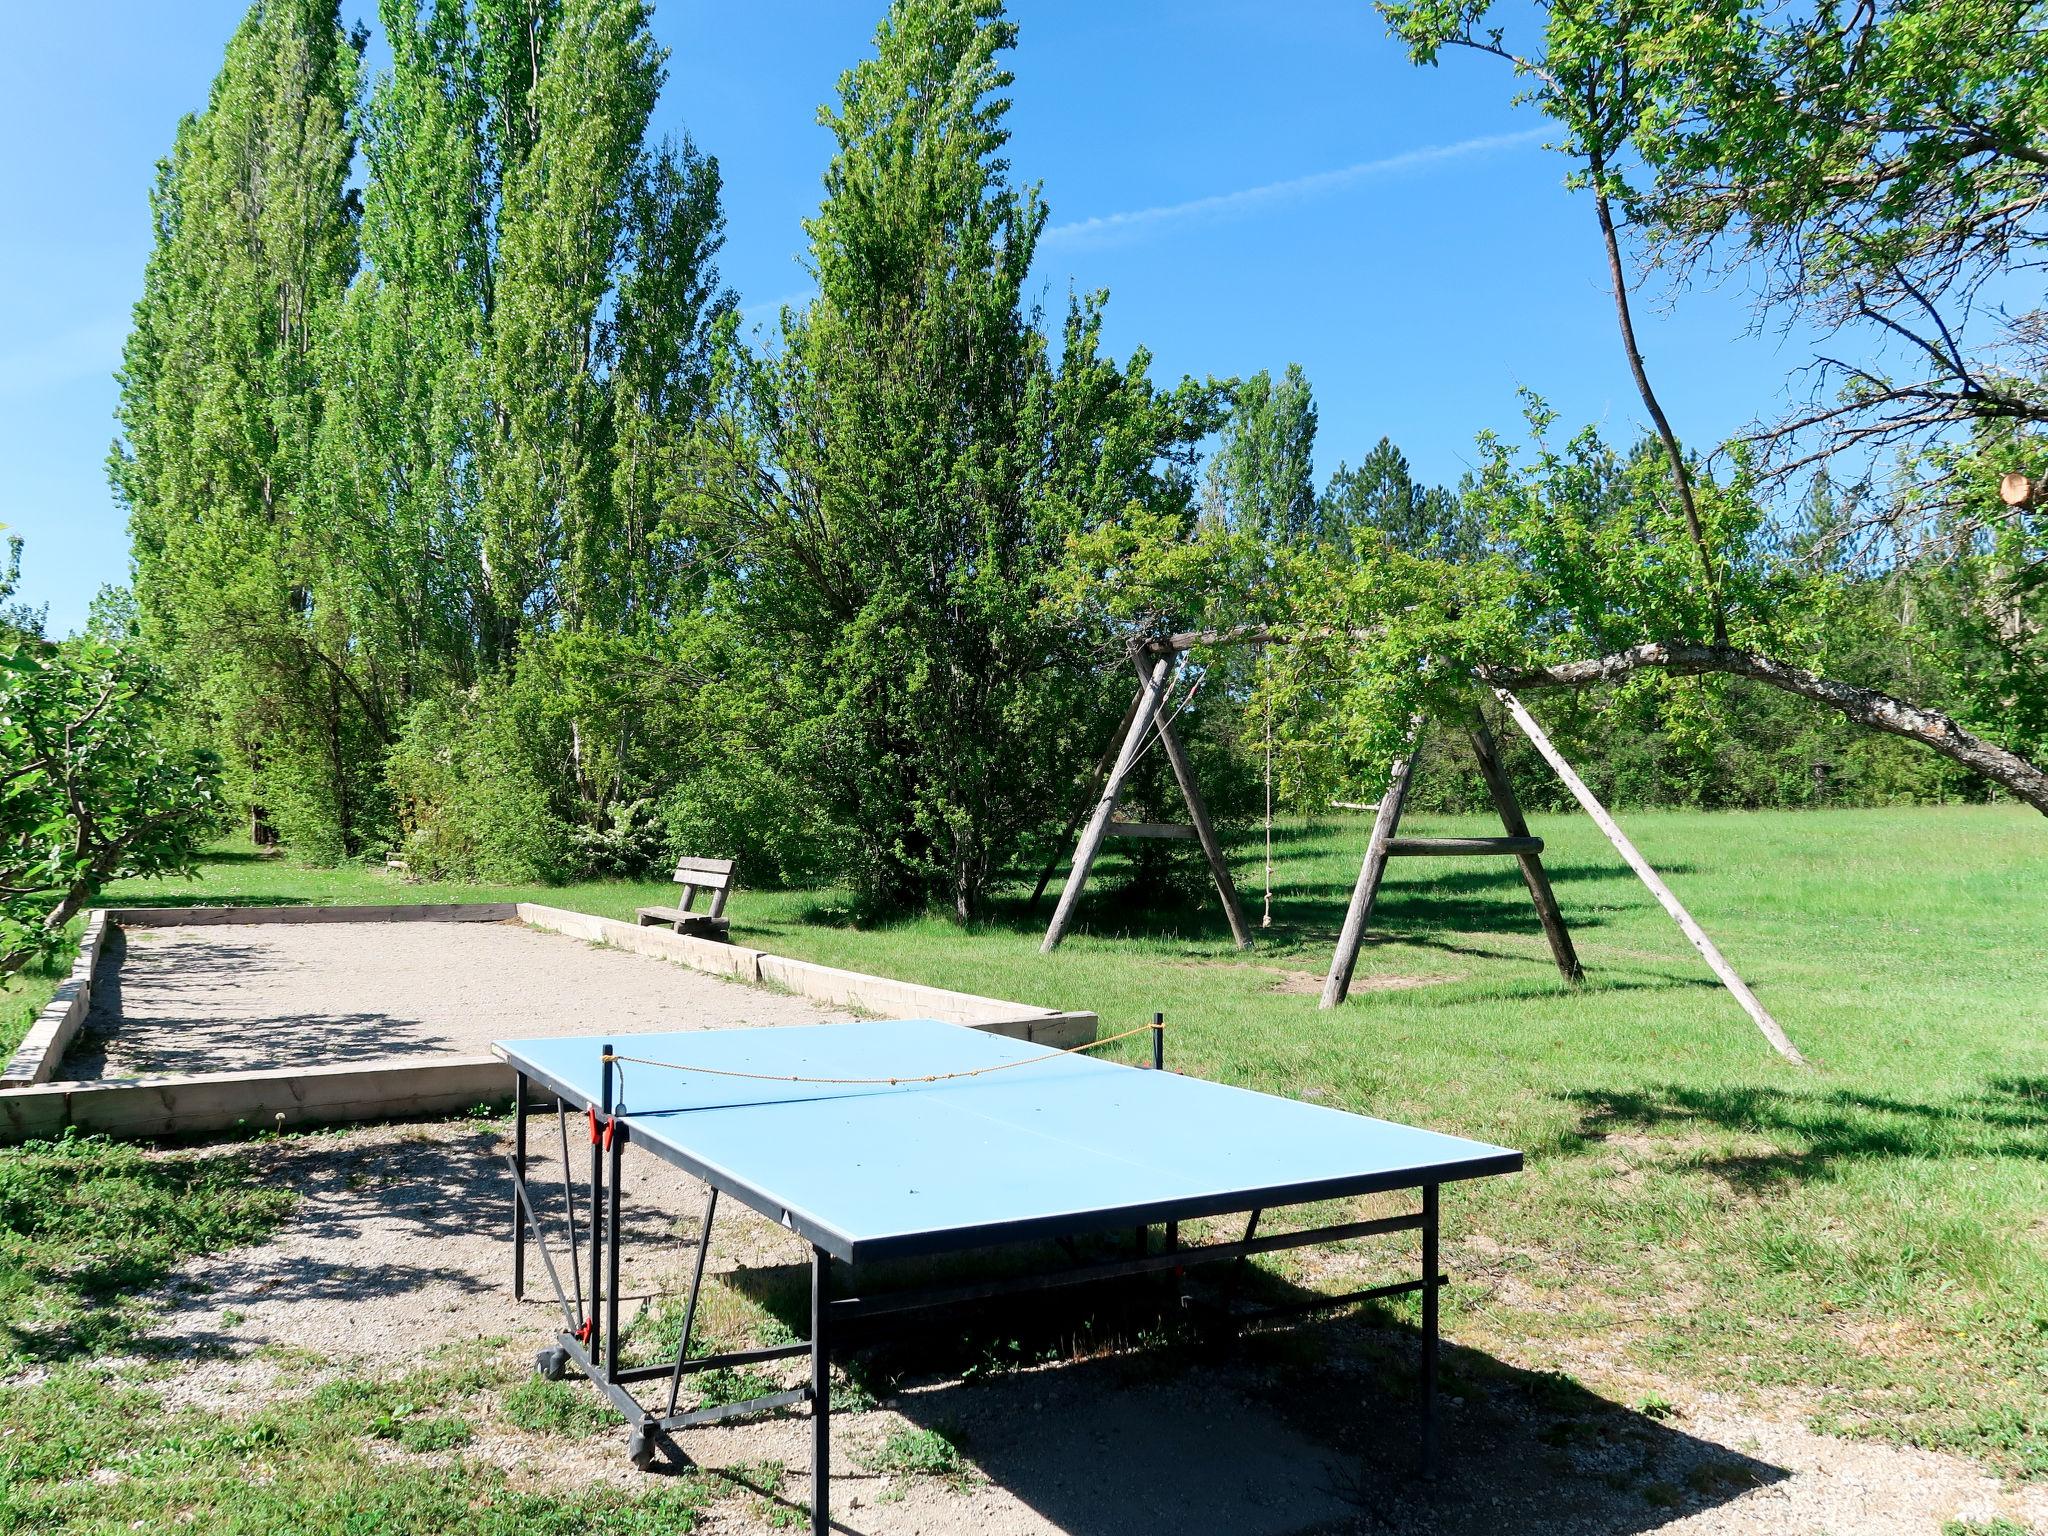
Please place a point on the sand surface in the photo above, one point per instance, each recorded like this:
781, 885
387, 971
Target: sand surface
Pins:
269, 996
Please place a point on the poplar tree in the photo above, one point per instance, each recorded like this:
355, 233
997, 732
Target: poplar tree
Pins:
1267, 460
220, 411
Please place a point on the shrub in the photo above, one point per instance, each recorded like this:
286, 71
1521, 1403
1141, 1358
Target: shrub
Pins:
471, 802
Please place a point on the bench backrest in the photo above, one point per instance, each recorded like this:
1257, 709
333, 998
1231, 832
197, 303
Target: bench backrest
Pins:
695, 875
705, 874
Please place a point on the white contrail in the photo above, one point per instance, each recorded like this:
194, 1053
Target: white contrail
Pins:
1298, 186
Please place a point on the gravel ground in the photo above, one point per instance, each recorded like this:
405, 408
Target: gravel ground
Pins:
397, 1254
221, 999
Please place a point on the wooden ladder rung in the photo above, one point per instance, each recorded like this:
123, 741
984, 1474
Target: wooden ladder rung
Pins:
1439, 847
1149, 829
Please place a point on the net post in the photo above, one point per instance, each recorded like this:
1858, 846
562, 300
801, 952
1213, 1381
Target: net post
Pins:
1158, 1042
615, 1151
598, 1233
519, 1163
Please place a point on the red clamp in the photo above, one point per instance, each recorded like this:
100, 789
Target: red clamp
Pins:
604, 1138
585, 1330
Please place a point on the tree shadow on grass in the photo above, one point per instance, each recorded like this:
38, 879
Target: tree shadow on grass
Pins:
176, 1024
1106, 1410
1113, 902
1814, 1132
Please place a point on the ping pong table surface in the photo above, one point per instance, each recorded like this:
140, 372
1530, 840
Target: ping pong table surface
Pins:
1032, 1144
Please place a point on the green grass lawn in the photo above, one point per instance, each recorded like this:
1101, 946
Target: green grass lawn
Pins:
1865, 1242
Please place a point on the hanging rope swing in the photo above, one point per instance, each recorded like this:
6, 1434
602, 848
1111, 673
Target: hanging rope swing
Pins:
1266, 687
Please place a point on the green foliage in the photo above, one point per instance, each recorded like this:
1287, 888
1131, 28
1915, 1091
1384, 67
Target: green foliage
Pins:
919, 1453
890, 490
87, 1224
407, 437
220, 414
81, 1455
18, 621
471, 803
1876, 169
1266, 461
1606, 552
91, 791
1381, 494
466, 520
557, 1408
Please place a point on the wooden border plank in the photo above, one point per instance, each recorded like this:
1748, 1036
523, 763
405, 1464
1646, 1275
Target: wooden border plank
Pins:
202, 917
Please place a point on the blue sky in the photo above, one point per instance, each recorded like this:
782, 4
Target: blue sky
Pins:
1255, 184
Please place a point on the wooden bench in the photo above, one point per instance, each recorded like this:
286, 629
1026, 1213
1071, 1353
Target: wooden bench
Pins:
694, 875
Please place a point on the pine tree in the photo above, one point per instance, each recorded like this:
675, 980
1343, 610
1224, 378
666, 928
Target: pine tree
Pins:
1382, 495
891, 491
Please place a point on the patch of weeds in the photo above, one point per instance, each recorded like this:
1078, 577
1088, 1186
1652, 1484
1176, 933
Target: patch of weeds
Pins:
919, 1453
1655, 1405
80, 1456
763, 1480
2008, 1433
1662, 1495
1565, 1433
87, 1223
421, 1433
1556, 1391
851, 1395
556, 1408
1999, 1527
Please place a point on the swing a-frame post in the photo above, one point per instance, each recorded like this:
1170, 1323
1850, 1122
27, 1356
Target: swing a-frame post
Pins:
1148, 721
1527, 851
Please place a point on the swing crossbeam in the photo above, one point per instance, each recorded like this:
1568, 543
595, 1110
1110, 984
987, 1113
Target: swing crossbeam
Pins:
1149, 720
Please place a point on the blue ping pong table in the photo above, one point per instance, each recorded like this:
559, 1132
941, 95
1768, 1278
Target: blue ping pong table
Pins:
909, 1137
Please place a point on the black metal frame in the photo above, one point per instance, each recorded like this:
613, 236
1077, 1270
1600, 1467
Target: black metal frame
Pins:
592, 1347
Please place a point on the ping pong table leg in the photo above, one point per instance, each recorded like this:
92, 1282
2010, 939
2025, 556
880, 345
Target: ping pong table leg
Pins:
821, 1394
1429, 1329
613, 1253
518, 1163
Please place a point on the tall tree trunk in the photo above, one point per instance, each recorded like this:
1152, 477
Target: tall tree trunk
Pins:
1681, 477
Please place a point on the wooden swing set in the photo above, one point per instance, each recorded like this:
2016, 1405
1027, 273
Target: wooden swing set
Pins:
1149, 722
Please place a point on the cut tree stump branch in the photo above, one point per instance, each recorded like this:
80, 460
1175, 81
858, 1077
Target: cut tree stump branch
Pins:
1866, 706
